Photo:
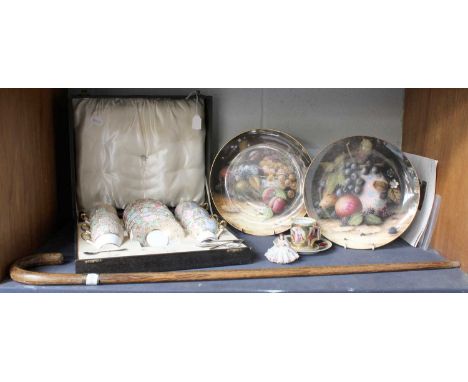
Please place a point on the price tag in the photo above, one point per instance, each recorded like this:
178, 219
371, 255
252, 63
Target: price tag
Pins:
196, 122
97, 120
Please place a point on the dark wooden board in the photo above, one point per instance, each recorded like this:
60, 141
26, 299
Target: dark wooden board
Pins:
167, 262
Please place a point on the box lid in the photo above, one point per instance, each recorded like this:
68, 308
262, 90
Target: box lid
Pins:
128, 148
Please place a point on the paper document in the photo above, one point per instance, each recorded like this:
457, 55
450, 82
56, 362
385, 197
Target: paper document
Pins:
427, 236
426, 170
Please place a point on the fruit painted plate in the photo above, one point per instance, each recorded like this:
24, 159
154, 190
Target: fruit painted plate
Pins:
363, 192
256, 181
325, 244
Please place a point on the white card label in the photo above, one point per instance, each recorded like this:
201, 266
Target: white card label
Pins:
92, 279
97, 120
196, 122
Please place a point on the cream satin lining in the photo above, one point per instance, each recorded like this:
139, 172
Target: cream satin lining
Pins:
131, 148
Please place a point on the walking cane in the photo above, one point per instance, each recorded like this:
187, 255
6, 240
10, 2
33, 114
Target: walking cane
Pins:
20, 273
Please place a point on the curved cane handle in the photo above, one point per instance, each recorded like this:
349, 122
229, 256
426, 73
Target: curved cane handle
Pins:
20, 273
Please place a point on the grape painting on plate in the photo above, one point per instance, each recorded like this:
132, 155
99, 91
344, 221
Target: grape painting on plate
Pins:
363, 191
256, 180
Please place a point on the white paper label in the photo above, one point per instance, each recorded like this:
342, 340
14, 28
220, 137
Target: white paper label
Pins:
92, 279
97, 120
196, 122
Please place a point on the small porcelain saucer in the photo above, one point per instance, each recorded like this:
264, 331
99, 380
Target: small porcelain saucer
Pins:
308, 250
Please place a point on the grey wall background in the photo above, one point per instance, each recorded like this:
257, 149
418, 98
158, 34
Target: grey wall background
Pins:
316, 117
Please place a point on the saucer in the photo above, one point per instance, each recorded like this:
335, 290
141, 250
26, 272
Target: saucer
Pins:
308, 250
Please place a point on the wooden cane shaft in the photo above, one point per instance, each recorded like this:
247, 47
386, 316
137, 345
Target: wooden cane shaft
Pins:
237, 274
20, 274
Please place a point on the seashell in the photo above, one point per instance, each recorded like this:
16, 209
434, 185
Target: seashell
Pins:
281, 252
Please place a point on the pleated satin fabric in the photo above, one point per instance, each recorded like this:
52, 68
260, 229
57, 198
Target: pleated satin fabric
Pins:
133, 148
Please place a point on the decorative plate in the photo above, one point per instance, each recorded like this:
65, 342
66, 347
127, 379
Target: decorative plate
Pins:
363, 191
325, 244
256, 181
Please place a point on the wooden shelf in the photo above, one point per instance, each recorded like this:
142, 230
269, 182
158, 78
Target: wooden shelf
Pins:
436, 126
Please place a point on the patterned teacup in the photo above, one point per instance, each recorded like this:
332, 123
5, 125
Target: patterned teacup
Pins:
196, 220
103, 227
151, 223
304, 232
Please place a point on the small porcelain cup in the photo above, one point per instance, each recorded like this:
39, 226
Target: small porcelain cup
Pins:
304, 232
104, 226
